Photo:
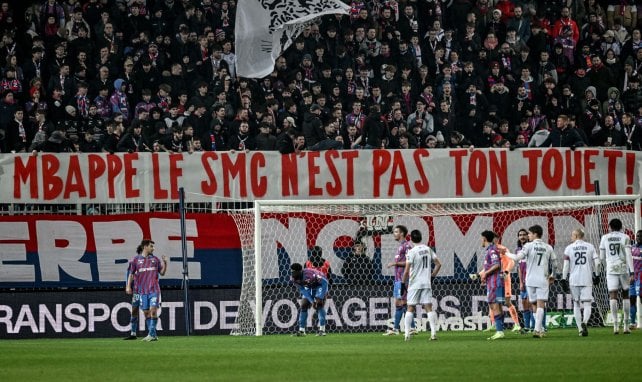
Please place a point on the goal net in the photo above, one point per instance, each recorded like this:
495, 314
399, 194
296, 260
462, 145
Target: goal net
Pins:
275, 234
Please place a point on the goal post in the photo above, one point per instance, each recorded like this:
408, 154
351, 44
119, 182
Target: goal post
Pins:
276, 233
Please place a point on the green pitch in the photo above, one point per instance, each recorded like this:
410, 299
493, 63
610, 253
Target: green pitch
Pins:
337, 357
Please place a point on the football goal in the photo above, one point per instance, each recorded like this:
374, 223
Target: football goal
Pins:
275, 234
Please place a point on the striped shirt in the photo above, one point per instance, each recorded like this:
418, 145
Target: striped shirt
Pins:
145, 270
311, 279
490, 260
636, 251
400, 257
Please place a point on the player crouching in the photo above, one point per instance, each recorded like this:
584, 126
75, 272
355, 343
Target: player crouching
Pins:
313, 287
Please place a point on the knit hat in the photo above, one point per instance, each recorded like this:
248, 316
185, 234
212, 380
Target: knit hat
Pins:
118, 84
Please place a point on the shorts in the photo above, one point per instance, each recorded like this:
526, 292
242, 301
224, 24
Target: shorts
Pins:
615, 282
582, 293
396, 292
135, 300
313, 293
634, 289
420, 296
151, 300
537, 293
495, 294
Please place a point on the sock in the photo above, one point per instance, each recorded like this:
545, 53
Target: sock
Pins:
491, 315
626, 310
409, 318
152, 326
533, 319
134, 325
513, 314
633, 311
544, 319
639, 309
400, 310
587, 311
528, 315
321, 313
148, 323
539, 320
432, 319
578, 315
303, 319
499, 322
613, 305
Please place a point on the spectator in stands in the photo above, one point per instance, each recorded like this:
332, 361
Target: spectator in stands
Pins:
563, 135
396, 52
265, 140
56, 143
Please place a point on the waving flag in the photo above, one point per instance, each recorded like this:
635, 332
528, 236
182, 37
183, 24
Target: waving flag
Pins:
265, 28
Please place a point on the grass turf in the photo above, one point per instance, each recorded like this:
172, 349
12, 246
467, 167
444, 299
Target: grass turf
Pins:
336, 357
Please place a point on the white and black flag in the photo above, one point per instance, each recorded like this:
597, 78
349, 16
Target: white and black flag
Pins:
265, 28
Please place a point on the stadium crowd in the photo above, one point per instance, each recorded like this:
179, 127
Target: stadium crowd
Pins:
159, 75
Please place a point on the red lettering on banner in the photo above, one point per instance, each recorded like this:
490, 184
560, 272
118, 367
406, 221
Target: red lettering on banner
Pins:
114, 167
175, 172
574, 169
313, 171
74, 181
422, 186
380, 162
399, 174
232, 169
159, 193
51, 183
334, 189
259, 183
458, 155
289, 175
528, 182
483, 167
498, 167
350, 156
589, 165
130, 173
477, 171
630, 172
552, 169
208, 186
612, 156
97, 168
25, 173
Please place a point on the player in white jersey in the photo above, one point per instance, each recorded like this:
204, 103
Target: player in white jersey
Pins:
580, 259
539, 257
615, 248
418, 274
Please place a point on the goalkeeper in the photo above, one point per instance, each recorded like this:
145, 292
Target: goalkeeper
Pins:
313, 286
